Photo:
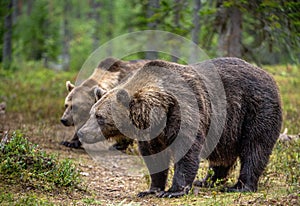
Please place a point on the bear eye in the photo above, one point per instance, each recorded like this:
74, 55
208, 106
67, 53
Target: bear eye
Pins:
100, 119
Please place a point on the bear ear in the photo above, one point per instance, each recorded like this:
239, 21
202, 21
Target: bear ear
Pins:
123, 97
98, 92
110, 64
69, 86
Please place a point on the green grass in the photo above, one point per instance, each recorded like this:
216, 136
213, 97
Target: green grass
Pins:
36, 92
7, 198
22, 162
288, 80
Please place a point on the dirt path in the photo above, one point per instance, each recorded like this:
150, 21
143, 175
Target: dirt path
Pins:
108, 184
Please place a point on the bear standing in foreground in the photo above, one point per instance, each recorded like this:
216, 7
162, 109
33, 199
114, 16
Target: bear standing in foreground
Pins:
164, 120
81, 98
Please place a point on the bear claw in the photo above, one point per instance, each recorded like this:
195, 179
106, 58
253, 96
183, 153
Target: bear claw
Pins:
146, 193
164, 194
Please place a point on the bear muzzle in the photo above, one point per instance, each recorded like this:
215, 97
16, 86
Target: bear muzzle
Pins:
66, 122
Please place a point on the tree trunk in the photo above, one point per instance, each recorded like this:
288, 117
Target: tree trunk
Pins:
222, 25
20, 7
235, 38
152, 6
29, 7
230, 32
95, 14
177, 9
195, 30
111, 22
196, 21
7, 41
15, 11
66, 36
176, 21
152, 25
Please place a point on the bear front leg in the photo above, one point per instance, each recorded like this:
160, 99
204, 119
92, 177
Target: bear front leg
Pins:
184, 174
158, 168
121, 144
74, 143
158, 183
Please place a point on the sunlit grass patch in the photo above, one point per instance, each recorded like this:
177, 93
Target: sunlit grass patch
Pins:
288, 80
283, 169
8, 198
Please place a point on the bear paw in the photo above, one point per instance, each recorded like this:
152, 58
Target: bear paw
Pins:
73, 144
235, 188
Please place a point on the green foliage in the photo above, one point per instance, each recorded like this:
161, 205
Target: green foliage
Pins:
270, 27
285, 164
37, 34
22, 162
273, 29
91, 201
7, 198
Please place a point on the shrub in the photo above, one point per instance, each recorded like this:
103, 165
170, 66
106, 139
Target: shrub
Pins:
24, 163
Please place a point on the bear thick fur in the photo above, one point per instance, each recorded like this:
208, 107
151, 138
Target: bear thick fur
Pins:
106, 76
252, 124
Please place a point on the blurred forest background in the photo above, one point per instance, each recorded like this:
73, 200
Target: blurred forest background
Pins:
62, 34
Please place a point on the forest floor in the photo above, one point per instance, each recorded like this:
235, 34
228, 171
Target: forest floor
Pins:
115, 186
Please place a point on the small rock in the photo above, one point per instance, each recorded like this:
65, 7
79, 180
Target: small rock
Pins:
284, 137
85, 174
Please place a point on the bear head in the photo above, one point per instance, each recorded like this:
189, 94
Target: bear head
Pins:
78, 103
141, 115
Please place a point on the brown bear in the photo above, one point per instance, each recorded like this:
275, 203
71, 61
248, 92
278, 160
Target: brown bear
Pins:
176, 112
81, 98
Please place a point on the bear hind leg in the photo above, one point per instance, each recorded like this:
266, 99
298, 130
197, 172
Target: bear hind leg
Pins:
254, 157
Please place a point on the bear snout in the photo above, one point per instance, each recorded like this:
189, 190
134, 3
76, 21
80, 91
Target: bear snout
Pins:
65, 122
